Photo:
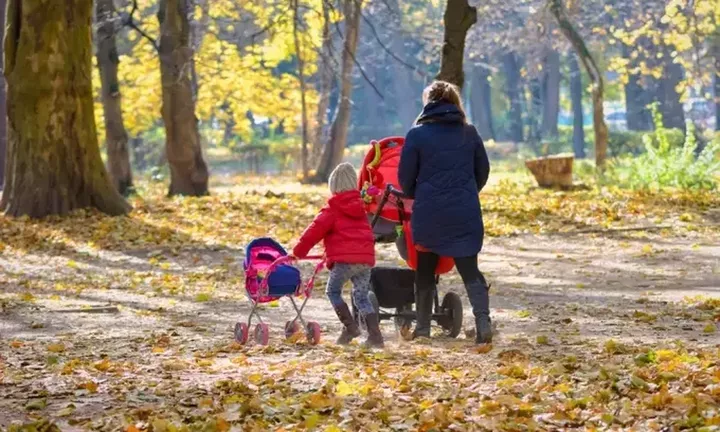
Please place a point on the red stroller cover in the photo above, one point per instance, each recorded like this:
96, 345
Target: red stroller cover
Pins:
379, 169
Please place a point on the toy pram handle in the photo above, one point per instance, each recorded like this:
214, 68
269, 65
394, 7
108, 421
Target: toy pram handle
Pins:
287, 259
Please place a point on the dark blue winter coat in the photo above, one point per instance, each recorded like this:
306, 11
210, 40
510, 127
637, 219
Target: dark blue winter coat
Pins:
444, 166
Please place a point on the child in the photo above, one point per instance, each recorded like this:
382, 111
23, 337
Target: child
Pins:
343, 227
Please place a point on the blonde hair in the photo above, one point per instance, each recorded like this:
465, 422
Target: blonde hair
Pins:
442, 91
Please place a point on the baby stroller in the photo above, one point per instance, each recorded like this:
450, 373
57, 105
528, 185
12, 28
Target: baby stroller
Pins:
269, 276
389, 211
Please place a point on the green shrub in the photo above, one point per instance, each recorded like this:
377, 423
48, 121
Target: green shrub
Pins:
665, 165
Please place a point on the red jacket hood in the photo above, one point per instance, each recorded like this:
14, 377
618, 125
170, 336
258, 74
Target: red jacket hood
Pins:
348, 203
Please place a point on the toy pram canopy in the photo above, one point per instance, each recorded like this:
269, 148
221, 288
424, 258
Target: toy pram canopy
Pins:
259, 256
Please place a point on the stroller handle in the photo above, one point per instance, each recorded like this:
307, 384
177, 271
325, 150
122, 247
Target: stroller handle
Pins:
392, 190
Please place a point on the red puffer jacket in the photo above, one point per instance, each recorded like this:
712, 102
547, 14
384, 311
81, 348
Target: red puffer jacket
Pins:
344, 228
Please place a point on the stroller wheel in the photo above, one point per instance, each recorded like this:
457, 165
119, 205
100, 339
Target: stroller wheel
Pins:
291, 327
241, 333
313, 333
452, 309
262, 334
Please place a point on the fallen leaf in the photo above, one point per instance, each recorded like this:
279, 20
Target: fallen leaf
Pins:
56, 347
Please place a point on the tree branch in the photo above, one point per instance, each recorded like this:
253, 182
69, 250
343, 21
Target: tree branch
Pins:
130, 22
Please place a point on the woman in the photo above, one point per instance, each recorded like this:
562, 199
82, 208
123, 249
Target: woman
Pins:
443, 167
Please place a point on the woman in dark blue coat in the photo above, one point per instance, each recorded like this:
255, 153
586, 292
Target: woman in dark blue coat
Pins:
443, 167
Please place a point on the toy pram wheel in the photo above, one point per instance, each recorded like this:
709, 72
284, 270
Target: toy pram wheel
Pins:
241, 333
313, 333
452, 309
262, 334
291, 327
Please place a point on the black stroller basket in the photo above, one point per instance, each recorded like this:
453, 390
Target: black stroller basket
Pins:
394, 287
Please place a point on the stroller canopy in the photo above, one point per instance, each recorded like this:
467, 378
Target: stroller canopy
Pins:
379, 169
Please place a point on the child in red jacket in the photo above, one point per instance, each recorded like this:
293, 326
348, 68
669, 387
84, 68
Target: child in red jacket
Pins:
349, 243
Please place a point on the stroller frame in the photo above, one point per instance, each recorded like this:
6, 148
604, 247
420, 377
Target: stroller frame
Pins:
312, 328
448, 314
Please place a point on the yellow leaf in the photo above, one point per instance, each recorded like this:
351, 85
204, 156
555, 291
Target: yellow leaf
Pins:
132, 428
483, 349
342, 389
56, 347
203, 297
312, 420
647, 249
256, 379
710, 328
158, 350
90, 386
103, 365
333, 428
542, 340
17, 344
239, 360
174, 365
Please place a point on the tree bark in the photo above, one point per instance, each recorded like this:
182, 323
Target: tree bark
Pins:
188, 171
511, 64
116, 137
53, 159
325, 82
596, 78
576, 97
637, 114
670, 105
481, 101
458, 18
3, 97
535, 113
551, 95
303, 102
334, 150
716, 79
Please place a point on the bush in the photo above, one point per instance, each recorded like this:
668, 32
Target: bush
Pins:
620, 143
664, 165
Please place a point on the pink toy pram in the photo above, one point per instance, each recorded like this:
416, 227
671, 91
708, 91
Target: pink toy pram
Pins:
269, 276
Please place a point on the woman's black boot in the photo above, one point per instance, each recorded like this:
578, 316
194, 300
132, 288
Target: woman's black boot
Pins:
479, 295
423, 308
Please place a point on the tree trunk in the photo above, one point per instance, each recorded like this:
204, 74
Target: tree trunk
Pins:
576, 97
333, 152
551, 95
3, 104
458, 18
53, 159
670, 105
481, 101
116, 137
325, 83
535, 114
511, 64
716, 79
303, 91
188, 172
596, 78
637, 114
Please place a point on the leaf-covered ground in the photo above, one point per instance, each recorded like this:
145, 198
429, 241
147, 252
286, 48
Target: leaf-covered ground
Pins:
126, 323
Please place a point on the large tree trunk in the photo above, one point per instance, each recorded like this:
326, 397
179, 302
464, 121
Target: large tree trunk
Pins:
481, 101
551, 95
333, 152
534, 113
576, 97
670, 105
54, 163
458, 18
637, 114
601, 130
303, 91
325, 82
188, 171
511, 64
3, 105
116, 137
716, 79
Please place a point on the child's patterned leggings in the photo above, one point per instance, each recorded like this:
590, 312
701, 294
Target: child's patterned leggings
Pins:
359, 274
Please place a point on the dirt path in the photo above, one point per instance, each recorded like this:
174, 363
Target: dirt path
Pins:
167, 356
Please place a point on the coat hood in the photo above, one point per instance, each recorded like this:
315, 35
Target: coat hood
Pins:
348, 203
441, 112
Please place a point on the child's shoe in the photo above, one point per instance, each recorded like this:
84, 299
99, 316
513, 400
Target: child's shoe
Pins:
351, 329
375, 337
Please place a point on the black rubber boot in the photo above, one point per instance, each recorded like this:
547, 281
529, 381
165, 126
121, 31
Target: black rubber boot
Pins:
478, 293
423, 309
375, 337
351, 330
